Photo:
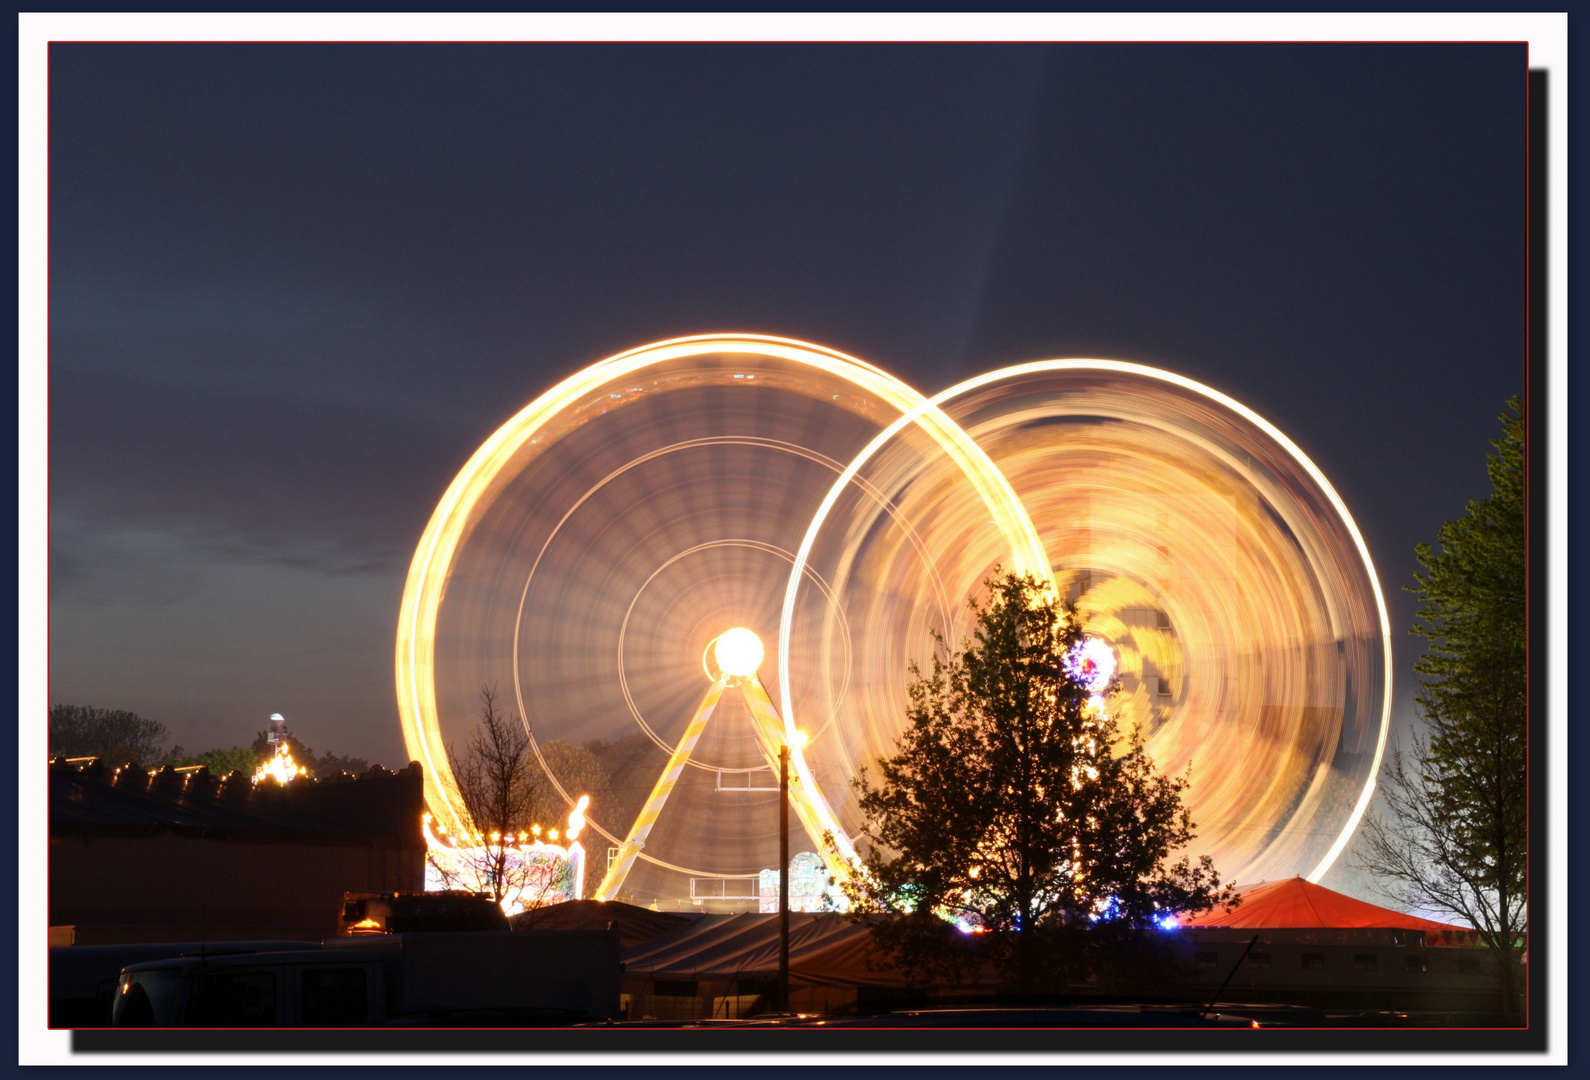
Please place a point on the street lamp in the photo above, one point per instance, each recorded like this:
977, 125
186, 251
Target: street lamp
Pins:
783, 877
797, 739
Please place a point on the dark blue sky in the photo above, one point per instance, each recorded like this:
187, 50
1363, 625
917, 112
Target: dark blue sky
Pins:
293, 287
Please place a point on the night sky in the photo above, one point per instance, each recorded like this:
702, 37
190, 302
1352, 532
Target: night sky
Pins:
293, 287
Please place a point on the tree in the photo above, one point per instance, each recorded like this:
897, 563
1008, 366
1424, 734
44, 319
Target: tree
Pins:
303, 755
1017, 809
328, 763
221, 762
116, 735
580, 772
1456, 839
497, 784
324, 765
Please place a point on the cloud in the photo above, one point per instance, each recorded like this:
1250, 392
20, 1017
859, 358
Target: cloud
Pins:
143, 475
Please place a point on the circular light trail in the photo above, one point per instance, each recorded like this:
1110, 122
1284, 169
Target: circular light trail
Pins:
521, 461
1233, 582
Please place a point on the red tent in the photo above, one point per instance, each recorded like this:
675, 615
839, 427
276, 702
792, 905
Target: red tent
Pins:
1297, 904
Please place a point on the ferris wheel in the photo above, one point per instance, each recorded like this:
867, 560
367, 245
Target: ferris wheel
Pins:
691, 555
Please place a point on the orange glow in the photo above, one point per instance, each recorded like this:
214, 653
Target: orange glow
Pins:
281, 766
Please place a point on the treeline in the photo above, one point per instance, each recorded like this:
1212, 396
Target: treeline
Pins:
617, 775
122, 737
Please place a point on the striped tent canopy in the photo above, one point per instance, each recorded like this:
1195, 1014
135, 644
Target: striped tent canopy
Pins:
825, 949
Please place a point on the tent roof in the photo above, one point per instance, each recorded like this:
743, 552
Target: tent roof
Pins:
635, 924
828, 949
1297, 904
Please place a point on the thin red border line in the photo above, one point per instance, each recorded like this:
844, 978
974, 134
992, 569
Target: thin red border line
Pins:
1528, 342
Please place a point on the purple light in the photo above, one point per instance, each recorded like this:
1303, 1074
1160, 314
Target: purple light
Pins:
1091, 663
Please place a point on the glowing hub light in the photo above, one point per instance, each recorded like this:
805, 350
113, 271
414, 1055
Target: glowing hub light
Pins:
738, 652
1091, 663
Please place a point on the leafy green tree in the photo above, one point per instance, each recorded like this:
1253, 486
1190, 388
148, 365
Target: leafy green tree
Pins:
630, 766
1019, 810
329, 763
221, 761
1456, 839
116, 735
580, 772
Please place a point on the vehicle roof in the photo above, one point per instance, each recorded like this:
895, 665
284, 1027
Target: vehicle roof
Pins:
77, 970
294, 956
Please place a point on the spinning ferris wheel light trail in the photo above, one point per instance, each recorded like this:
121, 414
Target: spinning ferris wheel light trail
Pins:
639, 375
615, 541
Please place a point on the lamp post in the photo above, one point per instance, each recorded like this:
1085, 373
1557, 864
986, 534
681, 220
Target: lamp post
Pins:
783, 877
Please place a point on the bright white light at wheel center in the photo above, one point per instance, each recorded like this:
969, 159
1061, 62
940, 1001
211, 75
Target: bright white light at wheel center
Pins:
1092, 664
738, 652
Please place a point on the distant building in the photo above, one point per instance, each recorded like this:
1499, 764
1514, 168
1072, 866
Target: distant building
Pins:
184, 856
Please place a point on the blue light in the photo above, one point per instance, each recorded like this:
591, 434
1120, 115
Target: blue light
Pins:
1109, 909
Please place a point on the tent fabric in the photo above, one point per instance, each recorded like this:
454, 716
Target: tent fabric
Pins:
1295, 904
849, 961
636, 925
824, 949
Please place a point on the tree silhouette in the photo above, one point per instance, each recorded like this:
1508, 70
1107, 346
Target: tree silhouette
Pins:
1457, 840
116, 735
1016, 809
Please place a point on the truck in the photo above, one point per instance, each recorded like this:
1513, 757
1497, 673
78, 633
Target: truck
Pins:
535, 978
83, 979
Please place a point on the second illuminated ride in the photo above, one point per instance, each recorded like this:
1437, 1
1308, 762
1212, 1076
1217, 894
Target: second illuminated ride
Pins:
592, 554
1209, 556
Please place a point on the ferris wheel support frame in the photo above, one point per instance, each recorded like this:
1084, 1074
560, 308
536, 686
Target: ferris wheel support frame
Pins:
813, 811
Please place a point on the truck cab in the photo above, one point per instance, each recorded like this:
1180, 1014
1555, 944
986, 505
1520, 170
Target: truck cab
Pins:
527, 978
330, 988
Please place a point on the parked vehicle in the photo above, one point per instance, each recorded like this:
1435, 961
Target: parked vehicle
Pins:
83, 978
462, 979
